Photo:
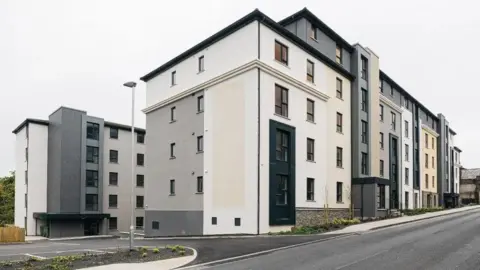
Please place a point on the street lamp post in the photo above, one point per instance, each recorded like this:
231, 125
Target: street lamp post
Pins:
132, 86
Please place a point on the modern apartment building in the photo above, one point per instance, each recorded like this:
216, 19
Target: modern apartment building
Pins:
296, 122
250, 142
73, 175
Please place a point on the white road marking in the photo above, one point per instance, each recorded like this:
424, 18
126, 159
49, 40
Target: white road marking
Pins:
66, 244
34, 256
361, 260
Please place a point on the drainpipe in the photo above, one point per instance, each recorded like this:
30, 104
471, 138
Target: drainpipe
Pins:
258, 130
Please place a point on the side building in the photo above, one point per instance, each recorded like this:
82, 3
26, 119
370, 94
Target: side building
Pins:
248, 143
73, 175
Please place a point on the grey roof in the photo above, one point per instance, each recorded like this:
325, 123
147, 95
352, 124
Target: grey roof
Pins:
470, 173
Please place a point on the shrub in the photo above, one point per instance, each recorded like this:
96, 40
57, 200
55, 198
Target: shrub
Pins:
144, 255
155, 250
182, 252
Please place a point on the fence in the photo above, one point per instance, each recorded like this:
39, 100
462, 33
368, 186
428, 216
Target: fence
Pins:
12, 235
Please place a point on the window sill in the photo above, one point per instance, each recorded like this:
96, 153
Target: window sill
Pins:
113, 162
312, 201
199, 152
340, 98
340, 132
340, 167
314, 39
139, 207
114, 138
199, 112
172, 121
200, 71
140, 165
199, 193
311, 82
113, 207
310, 121
140, 186
281, 63
171, 195
340, 202
279, 115
172, 85
173, 157
311, 161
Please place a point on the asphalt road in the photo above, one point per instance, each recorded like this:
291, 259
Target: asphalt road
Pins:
450, 242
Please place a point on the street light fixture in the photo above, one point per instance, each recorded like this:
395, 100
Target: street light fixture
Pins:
132, 85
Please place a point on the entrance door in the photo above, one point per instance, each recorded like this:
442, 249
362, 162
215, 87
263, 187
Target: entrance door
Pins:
282, 174
90, 227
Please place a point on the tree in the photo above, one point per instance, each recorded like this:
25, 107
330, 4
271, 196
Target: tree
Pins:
7, 199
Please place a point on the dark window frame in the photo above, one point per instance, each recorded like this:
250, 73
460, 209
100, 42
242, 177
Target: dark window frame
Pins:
140, 180
339, 54
310, 189
364, 68
339, 122
407, 152
113, 133
364, 163
281, 94
94, 156
310, 149
172, 187
112, 201
200, 104
110, 227
201, 63
113, 176
139, 201
199, 184
139, 220
310, 114
382, 141
140, 138
93, 204
313, 32
406, 129
200, 144
282, 146
93, 131
339, 89
364, 134
140, 159
339, 196
381, 112
339, 155
173, 78
407, 177
364, 100
113, 156
382, 167
155, 225
394, 121
381, 196
172, 150
310, 76
94, 175
283, 52
173, 114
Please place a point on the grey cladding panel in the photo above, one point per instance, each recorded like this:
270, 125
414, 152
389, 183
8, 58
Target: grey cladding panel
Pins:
174, 223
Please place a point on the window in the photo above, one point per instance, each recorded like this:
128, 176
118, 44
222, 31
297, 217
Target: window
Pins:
112, 223
313, 32
382, 171
426, 140
339, 54
26, 153
281, 145
415, 135
200, 104
26, 177
155, 225
433, 145
93, 131
364, 68
200, 184
139, 203
113, 179
91, 202
381, 140
201, 63
310, 149
426, 160
364, 100
310, 110
426, 180
281, 100
113, 156
339, 122
433, 162
140, 180
406, 199
113, 133
140, 159
339, 88
392, 91
381, 86
339, 157
310, 189
200, 144
91, 178
381, 197
381, 112
139, 222
172, 187
282, 190
92, 154
339, 192
173, 117
281, 53
407, 175
310, 71
174, 78
407, 104
433, 181
407, 154
364, 131
112, 201
364, 163
406, 129
394, 121
140, 138
172, 150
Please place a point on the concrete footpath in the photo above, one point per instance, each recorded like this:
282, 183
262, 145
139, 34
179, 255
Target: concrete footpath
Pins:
375, 225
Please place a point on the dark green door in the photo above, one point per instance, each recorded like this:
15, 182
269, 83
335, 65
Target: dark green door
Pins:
282, 174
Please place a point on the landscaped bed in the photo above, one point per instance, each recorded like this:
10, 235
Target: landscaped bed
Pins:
90, 260
335, 224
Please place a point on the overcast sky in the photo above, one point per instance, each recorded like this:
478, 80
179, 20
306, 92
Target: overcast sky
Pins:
79, 53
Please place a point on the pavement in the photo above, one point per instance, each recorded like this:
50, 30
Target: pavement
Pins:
445, 242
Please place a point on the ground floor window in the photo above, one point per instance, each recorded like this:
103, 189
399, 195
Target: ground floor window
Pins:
406, 199
139, 222
112, 223
381, 197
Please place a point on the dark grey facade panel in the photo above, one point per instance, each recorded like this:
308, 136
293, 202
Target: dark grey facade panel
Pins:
54, 173
174, 223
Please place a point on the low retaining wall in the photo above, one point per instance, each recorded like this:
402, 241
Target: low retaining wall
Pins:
319, 216
12, 235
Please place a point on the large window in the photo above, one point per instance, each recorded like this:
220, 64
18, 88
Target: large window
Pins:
339, 122
310, 189
112, 201
139, 202
140, 159
426, 140
364, 163
281, 145
426, 180
407, 175
281, 53
310, 149
339, 89
339, 54
381, 140
364, 68
113, 156
281, 100
113, 133
92, 154
139, 223
382, 170
339, 157
406, 129
310, 110
313, 32
282, 197
113, 179
433, 162
140, 180
381, 197
339, 192
364, 132
426, 160
310, 71
364, 100
91, 178
91, 202
407, 152
93, 131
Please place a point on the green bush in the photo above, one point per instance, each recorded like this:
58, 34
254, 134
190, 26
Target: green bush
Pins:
155, 250
144, 255
419, 211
